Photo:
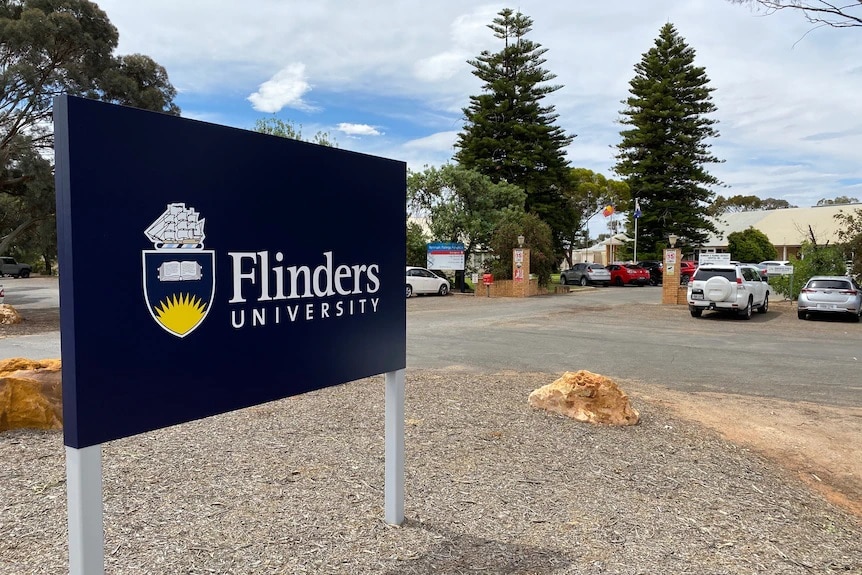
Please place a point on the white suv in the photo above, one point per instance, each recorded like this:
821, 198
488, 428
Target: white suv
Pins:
736, 288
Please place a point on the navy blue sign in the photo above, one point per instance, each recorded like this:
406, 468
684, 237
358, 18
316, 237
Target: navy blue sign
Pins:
205, 269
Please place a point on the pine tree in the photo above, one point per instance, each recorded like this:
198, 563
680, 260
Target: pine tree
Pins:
663, 153
509, 135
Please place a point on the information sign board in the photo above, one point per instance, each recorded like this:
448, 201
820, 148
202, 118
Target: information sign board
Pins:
207, 269
713, 259
779, 270
445, 256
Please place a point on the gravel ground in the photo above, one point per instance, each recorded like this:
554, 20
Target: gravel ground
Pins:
492, 486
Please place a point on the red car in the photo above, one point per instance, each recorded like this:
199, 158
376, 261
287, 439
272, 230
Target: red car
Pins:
623, 274
686, 271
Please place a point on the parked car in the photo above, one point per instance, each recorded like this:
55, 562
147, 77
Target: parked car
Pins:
686, 271
420, 280
585, 274
625, 274
830, 295
655, 271
734, 288
768, 263
762, 269
10, 267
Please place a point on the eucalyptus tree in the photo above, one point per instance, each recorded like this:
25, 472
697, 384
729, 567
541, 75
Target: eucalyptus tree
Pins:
461, 205
846, 14
49, 48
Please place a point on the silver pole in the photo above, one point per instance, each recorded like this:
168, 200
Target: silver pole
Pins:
394, 466
84, 498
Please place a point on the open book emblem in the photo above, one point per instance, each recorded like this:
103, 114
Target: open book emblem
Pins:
178, 275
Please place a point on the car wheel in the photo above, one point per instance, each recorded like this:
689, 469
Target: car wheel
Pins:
444, 289
765, 307
695, 311
25, 274
584, 280
619, 281
746, 313
856, 318
563, 279
801, 313
409, 290
684, 280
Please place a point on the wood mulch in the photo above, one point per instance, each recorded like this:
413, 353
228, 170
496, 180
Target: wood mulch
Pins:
492, 486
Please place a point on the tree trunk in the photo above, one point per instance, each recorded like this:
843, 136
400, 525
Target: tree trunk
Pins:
7, 240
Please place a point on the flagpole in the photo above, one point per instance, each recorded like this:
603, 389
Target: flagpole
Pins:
637, 217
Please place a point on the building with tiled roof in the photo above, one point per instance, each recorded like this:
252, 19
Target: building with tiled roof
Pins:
785, 228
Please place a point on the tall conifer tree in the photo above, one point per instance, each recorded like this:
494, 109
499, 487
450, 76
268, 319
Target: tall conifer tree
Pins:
509, 135
663, 152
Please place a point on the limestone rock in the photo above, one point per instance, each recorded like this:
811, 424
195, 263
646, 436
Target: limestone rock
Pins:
586, 396
31, 394
9, 315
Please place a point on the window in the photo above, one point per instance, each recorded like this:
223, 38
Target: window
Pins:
748, 274
828, 284
704, 274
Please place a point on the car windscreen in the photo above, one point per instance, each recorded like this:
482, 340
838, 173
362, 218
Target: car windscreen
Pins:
828, 284
704, 274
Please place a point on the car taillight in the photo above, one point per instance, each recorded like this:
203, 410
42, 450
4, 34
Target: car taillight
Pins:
848, 292
806, 290
739, 281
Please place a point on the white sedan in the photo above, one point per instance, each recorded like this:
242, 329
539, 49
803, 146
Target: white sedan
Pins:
420, 280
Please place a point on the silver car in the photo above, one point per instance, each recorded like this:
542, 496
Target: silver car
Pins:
586, 273
832, 295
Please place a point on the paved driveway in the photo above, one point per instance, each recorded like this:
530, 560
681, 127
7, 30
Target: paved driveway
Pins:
627, 333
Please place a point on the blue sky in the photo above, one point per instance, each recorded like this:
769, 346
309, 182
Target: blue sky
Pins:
390, 78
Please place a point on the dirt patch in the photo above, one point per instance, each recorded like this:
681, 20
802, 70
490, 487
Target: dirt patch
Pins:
822, 445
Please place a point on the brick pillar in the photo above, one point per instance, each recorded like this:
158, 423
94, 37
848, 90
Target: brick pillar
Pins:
520, 272
670, 276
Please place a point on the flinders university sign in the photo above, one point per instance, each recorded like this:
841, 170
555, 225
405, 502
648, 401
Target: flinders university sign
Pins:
206, 269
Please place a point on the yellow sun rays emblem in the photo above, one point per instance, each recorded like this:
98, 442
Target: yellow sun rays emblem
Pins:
180, 313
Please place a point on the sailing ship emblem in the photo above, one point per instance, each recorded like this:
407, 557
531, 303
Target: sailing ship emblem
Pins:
178, 275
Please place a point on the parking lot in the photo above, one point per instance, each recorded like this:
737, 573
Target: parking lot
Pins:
628, 333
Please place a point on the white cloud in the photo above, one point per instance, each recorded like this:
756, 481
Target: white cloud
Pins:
358, 129
468, 35
786, 93
439, 142
284, 90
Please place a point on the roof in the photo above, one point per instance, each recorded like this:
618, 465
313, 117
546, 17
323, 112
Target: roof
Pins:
785, 227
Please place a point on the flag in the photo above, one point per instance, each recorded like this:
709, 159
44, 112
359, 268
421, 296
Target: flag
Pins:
637, 208
608, 211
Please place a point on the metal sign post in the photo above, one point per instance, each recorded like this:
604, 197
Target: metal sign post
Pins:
84, 498
393, 499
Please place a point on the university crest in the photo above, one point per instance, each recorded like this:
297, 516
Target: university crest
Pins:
178, 275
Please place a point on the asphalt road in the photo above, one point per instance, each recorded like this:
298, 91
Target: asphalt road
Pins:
626, 333
623, 333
